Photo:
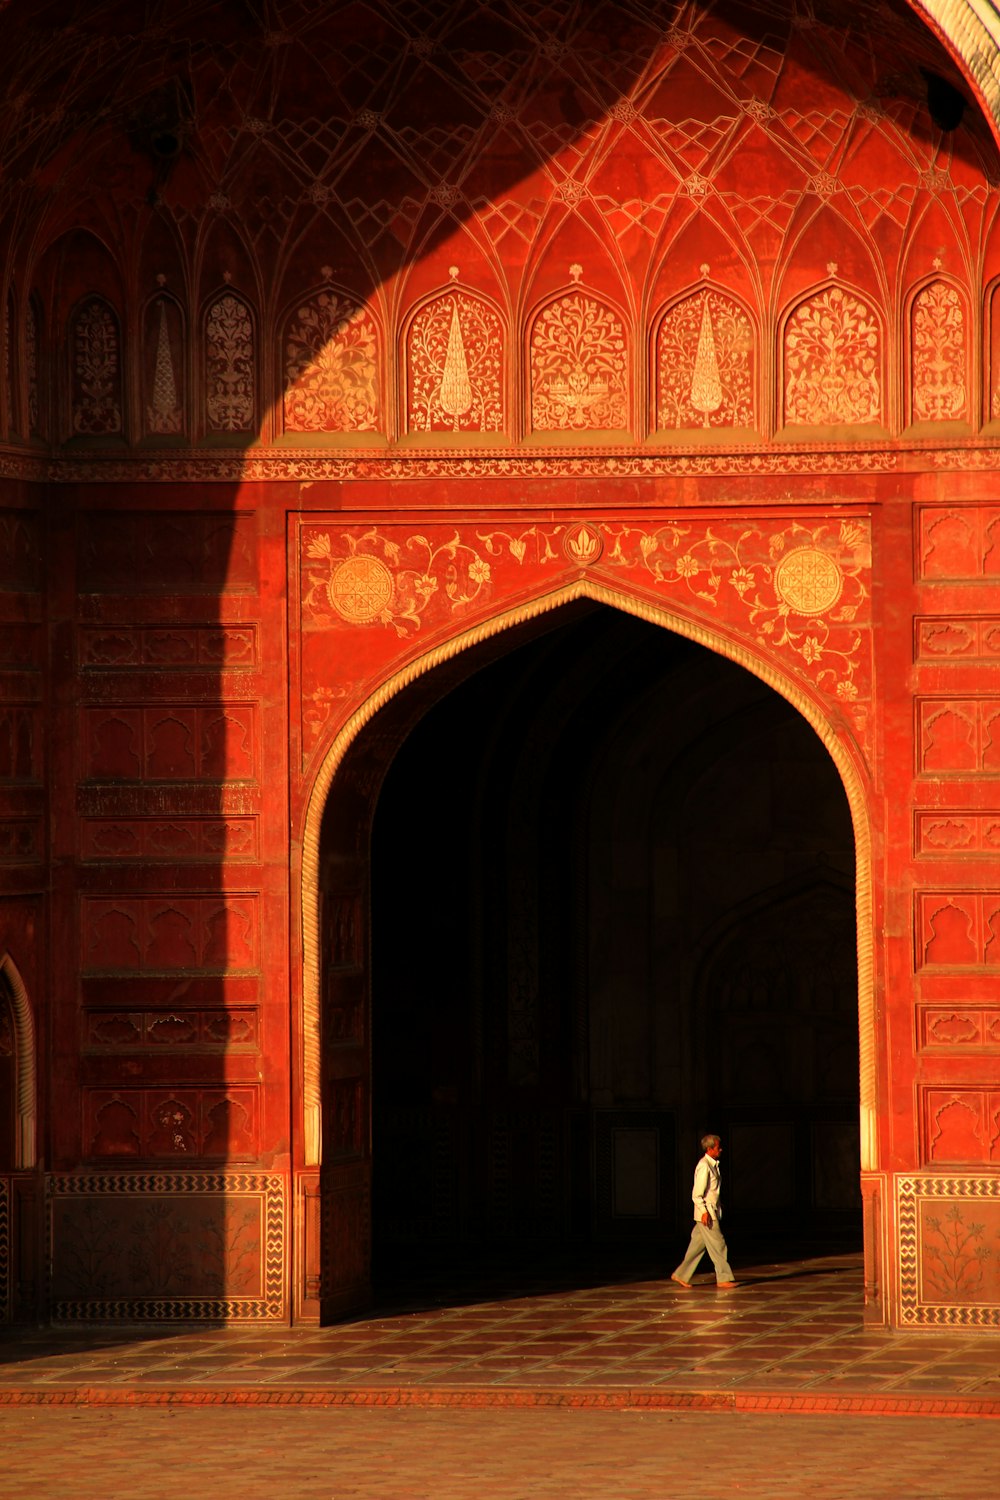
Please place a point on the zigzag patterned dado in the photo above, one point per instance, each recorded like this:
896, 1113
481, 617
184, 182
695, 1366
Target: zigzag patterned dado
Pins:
585, 238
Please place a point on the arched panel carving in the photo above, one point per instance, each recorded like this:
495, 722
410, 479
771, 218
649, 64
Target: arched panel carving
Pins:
578, 355
96, 405
705, 363
229, 342
455, 366
32, 337
331, 369
832, 356
939, 355
163, 369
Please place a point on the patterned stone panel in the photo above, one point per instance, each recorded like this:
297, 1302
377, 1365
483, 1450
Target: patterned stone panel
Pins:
455, 366
227, 647
96, 404
169, 743
959, 1028
230, 366
946, 834
148, 1123
833, 362
167, 552
705, 364
949, 1251
331, 367
797, 592
958, 543
20, 743
235, 1029
21, 840
163, 935
579, 366
165, 1246
957, 929
958, 736
958, 639
960, 1125
164, 398
168, 840
939, 355
20, 552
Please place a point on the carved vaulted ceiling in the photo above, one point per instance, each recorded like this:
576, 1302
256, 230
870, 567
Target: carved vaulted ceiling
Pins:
383, 148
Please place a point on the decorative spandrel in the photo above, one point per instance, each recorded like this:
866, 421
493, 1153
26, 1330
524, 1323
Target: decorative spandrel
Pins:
331, 367
833, 362
704, 364
579, 361
96, 400
230, 393
454, 367
796, 592
939, 357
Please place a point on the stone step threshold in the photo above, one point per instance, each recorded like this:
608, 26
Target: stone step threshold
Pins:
480, 1397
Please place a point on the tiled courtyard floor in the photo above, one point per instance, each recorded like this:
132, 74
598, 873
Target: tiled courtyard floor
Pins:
790, 1337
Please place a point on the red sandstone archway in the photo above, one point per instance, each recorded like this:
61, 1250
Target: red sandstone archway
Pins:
335, 1223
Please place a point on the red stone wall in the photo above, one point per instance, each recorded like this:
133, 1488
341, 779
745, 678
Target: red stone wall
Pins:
696, 319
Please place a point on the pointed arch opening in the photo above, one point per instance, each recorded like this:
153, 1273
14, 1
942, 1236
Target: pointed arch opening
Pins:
565, 969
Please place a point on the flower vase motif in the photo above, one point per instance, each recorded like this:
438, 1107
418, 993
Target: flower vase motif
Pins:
832, 356
938, 354
578, 367
230, 399
96, 401
455, 367
704, 364
331, 369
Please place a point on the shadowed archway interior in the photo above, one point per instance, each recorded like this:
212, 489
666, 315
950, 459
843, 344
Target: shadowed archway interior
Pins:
612, 906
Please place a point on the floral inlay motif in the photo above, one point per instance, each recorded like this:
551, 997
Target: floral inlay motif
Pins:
381, 580
96, 404
704, 364
938, 354
455, 366
832, 357
331, 369
796, 592
578, 366
229, 366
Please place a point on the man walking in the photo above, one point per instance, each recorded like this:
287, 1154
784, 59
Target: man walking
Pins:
707, 1231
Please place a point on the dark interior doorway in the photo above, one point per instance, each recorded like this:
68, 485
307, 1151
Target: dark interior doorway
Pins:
612, 907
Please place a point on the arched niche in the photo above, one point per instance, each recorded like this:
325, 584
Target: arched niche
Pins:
364, 787
17, 1052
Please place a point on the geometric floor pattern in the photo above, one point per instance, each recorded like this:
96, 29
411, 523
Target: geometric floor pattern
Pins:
789, 1338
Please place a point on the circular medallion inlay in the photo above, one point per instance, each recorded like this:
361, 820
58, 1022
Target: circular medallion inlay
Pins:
808, 581
360, 589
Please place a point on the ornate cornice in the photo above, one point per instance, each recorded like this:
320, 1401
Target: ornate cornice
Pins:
307, 466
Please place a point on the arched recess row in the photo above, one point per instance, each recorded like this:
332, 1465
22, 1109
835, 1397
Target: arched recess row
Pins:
351, 940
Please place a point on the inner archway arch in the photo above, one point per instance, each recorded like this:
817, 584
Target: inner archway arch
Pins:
835, 741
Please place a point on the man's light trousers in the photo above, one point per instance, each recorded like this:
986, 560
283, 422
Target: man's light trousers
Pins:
711, 1240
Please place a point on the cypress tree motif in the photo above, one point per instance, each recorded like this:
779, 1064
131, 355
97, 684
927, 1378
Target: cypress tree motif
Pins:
164, 414
455, 393
706, 384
